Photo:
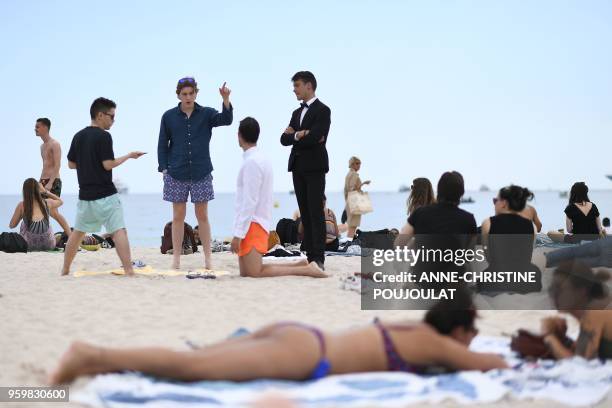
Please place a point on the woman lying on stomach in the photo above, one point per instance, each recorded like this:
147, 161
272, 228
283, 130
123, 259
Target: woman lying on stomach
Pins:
295, 351
577, 290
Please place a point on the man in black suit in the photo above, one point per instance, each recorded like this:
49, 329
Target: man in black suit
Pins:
308, 162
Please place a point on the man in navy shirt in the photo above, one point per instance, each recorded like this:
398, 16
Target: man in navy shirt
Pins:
183, 154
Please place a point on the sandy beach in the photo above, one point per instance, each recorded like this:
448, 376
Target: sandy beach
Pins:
42, 313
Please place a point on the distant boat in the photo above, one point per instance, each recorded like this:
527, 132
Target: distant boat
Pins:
404, 188
467, 200
609, 176
484, 188
120, 186
563, 194
292, 192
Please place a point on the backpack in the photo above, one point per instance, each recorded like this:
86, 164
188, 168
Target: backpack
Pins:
188, 238
12, 242
287, 231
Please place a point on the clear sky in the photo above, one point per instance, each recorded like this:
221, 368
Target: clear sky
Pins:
503, 91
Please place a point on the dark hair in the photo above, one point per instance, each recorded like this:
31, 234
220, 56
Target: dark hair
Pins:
581, 276
187, 82
516, 196
421, 194
44, 121
306, 77
31, 194
449, 314
606, 222
249, 129
101, 105
450, 187
579, 193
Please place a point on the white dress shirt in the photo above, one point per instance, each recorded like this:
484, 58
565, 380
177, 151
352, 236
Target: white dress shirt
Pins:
306, 109
253, 193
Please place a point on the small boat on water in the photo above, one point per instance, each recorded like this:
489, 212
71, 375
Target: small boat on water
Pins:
609, 176
404, 188
563, 194
467, 200
484, 188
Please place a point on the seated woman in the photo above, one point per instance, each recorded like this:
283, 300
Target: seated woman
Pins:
531, 214
302, 352
583, 294
332, 232
509, 239
421, 194
581, 218
33, 212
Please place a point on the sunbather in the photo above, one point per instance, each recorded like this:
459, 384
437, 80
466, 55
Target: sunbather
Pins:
295, 351
34, 212
583, 294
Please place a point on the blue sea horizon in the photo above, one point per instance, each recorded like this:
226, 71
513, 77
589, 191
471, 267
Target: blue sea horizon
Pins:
146, 213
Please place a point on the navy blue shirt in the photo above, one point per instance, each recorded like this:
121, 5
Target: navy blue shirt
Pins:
184, 142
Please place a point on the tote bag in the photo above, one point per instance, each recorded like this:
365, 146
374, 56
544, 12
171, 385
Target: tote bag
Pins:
359, 203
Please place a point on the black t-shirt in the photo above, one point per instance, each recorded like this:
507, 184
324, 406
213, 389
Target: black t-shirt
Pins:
89, 148
442, 226
583, 224
442, 218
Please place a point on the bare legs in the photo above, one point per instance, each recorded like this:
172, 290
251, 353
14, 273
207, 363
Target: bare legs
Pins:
201, 212
72, 246
351, 232
251, 266
122, 245
179, 211
294, 351
60, 220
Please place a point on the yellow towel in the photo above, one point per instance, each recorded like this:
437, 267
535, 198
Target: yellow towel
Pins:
148, 270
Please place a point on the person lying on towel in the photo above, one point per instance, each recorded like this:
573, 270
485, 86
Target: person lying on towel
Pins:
296, 351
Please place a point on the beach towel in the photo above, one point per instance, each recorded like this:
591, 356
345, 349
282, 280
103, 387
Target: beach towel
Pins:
574, 382
148, 270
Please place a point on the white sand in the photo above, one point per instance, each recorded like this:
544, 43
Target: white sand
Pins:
42, 313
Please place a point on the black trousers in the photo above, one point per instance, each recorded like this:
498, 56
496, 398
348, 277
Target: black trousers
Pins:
309, 191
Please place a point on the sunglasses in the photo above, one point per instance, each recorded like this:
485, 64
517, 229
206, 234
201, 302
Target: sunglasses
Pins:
190, 80
112, 116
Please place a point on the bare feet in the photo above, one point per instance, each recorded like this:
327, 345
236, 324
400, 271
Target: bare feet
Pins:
65, 272
316, 271
79, 359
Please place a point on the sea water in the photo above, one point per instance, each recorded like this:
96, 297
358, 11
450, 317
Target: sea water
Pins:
146, 214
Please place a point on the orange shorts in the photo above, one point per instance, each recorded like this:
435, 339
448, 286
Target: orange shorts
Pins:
256, 237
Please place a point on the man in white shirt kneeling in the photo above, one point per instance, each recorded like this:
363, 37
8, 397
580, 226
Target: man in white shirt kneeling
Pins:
254, 212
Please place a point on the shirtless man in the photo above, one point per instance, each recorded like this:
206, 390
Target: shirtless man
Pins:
51, 153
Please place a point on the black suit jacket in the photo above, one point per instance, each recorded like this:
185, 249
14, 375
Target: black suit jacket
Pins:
309, 155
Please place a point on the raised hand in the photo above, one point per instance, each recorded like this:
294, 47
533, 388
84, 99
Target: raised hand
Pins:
225, 92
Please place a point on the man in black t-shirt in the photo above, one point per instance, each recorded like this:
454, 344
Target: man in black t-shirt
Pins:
91, 154
442, 225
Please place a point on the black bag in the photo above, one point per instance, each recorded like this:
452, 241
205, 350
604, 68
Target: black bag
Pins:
188, 239
381, 239
12, 242
287, 231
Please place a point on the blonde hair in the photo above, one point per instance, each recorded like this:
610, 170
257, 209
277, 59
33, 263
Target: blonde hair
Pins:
353, 160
